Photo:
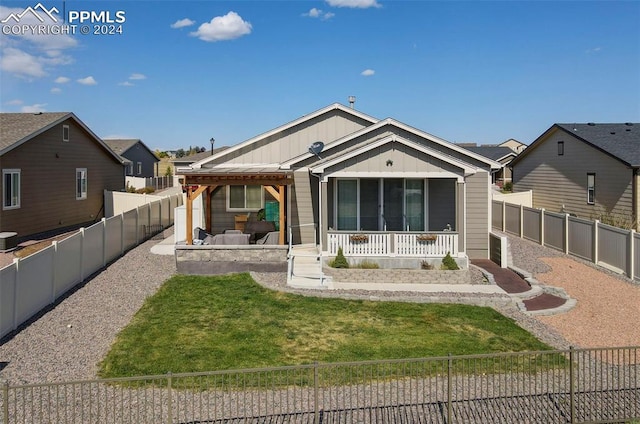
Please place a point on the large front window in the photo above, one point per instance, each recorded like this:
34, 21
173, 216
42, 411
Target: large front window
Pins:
377, 204
245, 198
11, 188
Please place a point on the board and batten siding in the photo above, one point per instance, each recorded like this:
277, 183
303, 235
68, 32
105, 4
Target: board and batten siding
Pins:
295, 141
477, 215
48, 180
558, 180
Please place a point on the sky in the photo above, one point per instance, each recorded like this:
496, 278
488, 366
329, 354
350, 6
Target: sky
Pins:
177, 73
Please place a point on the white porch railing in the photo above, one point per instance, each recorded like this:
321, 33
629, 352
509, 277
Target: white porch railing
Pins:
437, 244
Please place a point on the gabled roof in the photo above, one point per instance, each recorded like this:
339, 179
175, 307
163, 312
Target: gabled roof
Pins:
392, 122
368, 145
18, 128
285, 127
496, 153
620, 141
120, 146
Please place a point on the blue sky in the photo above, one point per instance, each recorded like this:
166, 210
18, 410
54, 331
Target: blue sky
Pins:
182, 72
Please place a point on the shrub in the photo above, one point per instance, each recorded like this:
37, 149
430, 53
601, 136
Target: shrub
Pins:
507, 187
449, 263
146, 190
367, 264
426, 265
340, 261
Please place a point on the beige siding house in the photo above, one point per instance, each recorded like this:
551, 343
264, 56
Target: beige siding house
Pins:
590, 170
54, 173
372, 186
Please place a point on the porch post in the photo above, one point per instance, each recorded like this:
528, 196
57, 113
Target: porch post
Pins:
460, 216
207, 210
324, 214
282, 217
189, 219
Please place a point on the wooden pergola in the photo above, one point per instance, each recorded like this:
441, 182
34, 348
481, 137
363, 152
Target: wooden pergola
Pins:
203, 181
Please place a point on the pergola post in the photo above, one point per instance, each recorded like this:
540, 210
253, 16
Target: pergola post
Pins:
191, 195
279, 196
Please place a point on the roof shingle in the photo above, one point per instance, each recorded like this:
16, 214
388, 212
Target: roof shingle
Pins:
15, 127
619, 140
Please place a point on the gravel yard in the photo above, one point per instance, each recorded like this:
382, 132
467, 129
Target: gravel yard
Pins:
68, 341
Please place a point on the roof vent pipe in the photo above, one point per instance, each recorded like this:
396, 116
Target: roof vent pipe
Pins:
352, 100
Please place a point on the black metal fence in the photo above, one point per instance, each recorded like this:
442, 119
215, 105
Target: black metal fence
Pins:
563, 386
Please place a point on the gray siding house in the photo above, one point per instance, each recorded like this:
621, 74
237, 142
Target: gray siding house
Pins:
502, 154
139, 159
377, 187
54, 173
590, 170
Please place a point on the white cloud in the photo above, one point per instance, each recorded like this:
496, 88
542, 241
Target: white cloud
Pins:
21, 63
182, 23
56, 90
126, 84
225, 27
62, 80
15, 102
44, 50
318, 13
137, 77
38, 107
367, 72
594, 50
87, 81
354, 4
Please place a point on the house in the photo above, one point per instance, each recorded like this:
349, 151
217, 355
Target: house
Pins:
589, 170
54, 172
502, 154
139, 159
340, 178
514, 145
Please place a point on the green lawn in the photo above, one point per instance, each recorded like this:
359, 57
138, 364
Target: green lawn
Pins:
196, 323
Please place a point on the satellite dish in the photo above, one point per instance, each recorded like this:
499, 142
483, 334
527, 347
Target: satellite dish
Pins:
316, 148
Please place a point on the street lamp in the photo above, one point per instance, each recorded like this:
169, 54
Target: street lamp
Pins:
212, 141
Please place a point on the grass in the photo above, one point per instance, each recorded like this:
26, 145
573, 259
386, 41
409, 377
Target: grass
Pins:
196, 323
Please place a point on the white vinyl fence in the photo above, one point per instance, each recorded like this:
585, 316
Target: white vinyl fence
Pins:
30, 284
610, 247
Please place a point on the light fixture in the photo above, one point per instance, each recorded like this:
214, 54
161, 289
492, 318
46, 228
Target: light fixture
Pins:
389, 162
212, 140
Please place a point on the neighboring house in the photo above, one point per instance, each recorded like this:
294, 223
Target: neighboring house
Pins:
373, 179
501, 154
54, 172
590, 170
140, 160
514, 145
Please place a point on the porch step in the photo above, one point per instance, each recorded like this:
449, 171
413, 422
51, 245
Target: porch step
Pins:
307, 268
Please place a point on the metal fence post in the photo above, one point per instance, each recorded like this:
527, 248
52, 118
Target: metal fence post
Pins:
449, 389
5, 402
316, 406
572, 388
169, 405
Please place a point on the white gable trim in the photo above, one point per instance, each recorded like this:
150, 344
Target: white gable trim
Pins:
335, 106
467, 168
390, 121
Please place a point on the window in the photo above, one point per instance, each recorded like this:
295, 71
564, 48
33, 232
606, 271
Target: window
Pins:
245, 197
139, 168
560, 148
130, 168
81, 183
11, 188
591, 189
347, 197
65, 133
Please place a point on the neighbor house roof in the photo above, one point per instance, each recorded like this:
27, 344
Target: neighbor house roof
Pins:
18, 128
496, 153
198, 156
120, 146
620, 141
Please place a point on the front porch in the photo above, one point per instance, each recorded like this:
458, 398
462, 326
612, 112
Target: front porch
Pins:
434, 244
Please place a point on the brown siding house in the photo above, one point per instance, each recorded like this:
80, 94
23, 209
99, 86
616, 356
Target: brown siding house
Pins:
590, 170
54, 173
